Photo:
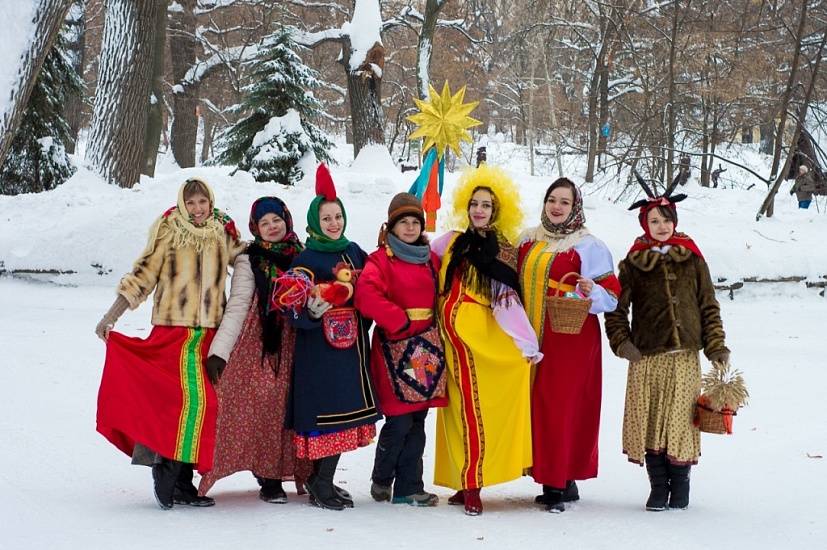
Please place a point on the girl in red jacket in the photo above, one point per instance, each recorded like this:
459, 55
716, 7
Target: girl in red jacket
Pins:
397, 289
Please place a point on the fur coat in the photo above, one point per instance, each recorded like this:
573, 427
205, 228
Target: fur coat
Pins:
674, 304
188, 281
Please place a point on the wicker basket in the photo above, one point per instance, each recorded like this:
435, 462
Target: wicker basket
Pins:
711, 421
566, 315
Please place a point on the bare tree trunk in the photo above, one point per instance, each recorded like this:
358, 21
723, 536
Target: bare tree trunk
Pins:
671, 113
553, 113
209, 134
155, 120
183, 45
364, 87
786, 98
425, 45
77, 47
48, 18
122, 97
603, 114
591, 126
769, 202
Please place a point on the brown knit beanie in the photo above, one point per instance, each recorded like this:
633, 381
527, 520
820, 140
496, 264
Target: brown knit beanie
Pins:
405, 204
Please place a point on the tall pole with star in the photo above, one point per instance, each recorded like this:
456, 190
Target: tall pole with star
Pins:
443, 121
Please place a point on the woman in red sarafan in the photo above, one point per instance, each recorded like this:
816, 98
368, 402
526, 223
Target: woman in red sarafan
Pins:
567, 391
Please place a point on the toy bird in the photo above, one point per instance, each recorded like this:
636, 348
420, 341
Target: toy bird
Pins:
338, 292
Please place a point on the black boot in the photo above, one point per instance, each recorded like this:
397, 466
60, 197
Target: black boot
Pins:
678, 486
659, 481
554, 500
185, 492
164, 475
271, 491
571, 494
320, 484
344, 496
541, 499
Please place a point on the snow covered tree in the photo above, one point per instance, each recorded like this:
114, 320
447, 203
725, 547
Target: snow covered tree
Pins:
278, 131
119, 119
40, 19
37, 160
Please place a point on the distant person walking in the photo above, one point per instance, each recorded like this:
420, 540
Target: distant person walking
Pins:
803, 187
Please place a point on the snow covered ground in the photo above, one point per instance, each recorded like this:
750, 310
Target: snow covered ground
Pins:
63, 486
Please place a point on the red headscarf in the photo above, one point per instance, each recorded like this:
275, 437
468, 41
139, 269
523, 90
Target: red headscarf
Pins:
646, 241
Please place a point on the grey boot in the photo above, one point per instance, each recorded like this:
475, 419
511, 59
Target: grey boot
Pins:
659, 481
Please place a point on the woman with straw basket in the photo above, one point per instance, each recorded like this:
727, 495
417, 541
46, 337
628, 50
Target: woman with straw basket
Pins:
561, 255
666, 283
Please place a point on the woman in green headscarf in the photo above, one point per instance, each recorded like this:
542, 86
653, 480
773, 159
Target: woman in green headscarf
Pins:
333, 406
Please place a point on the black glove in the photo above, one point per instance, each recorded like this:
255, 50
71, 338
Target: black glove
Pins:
215, 367
629, 351
791, 191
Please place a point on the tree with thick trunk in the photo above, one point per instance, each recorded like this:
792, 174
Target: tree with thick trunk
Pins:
183, 45
363, 58
122, 98
48, 16
155, 118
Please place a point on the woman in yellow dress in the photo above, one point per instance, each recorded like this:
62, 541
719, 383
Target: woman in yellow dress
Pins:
484, 435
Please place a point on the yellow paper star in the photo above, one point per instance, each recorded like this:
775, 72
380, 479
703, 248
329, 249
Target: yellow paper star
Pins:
443, 120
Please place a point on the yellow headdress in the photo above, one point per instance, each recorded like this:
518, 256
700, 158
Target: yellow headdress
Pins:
507, 219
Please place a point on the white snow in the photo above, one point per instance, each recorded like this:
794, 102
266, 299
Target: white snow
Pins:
14, 43
364, 30
64, 486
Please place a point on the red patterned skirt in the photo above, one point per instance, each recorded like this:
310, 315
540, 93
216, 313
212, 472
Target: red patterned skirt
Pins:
252, 400
334, 443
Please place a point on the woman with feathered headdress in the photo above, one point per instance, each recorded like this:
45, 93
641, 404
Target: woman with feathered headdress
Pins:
567, 390
484, 436
332, 406
668, 291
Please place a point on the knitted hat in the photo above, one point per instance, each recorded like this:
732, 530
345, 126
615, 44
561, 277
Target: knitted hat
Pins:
265, 205
405, 204
803, 169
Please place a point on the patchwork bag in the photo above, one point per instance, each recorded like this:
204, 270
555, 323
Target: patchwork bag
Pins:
341, 327
415, 365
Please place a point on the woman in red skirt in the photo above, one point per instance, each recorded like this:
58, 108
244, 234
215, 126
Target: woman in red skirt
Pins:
154, 402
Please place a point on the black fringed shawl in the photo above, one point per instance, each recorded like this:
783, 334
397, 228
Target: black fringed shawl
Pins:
477, 258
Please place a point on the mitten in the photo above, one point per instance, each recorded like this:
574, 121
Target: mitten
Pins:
316, 306
111, 317
215, 368
719, 357
629, 351
791, 191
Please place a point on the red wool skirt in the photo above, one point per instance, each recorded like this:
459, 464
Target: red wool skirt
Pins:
156, 392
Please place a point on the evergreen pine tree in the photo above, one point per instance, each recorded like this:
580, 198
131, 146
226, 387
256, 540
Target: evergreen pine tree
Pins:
278, 131
37, 160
